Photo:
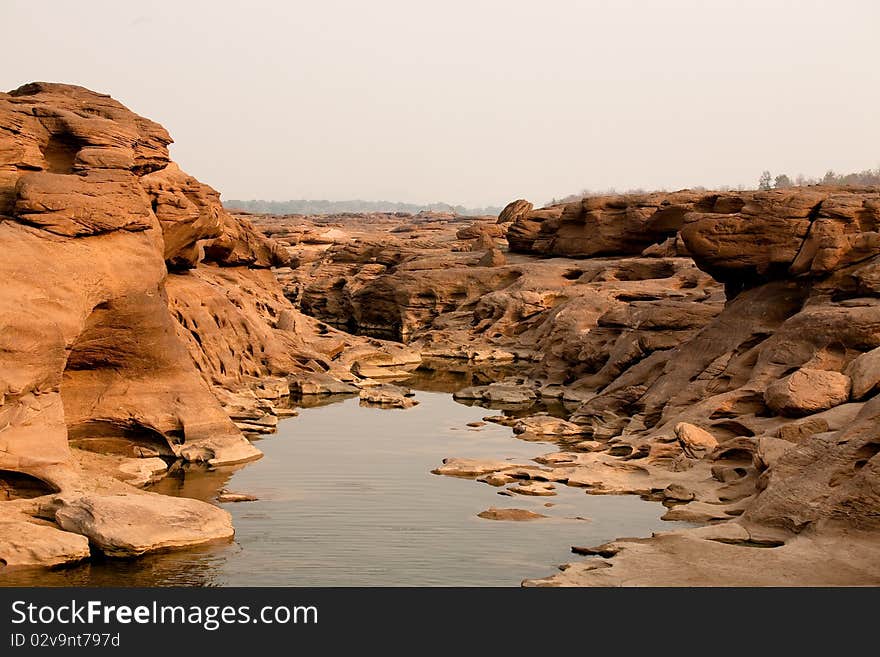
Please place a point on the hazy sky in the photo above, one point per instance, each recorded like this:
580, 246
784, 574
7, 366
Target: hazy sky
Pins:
474, 102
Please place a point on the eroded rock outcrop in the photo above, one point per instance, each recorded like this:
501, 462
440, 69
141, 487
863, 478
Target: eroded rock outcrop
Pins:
716, 351
138, 320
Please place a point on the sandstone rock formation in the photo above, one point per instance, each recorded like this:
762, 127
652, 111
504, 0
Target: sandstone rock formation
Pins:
715, 350
135, 310
516, 515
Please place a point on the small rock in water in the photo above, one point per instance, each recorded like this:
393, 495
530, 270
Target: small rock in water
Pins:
494, 513
504, 420
226, 496
496, 479
533, 488
460, 467
387, 395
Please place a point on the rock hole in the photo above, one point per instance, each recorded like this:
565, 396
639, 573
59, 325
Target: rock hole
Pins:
620, 450
731, 429
734, 454
17, 485
130, 440
60, 153
864, 454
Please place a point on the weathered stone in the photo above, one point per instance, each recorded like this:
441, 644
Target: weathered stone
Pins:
807, 391
388, 395
695, 442
678, 493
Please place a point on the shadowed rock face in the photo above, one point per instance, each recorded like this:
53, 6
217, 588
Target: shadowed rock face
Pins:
102, 349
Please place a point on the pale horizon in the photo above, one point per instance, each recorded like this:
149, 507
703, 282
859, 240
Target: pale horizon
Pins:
474, 103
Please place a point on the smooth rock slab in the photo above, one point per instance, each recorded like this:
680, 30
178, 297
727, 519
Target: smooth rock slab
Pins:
24, 543
131, 525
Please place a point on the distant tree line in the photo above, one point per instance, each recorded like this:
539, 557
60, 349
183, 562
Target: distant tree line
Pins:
866, 178
303, 206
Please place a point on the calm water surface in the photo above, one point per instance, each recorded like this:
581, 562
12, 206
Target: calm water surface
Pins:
346, 497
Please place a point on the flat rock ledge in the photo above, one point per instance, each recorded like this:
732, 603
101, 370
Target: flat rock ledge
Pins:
24, 543
461, 467
131, 525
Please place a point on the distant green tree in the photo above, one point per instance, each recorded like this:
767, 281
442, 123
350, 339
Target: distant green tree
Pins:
765, 182
782, 181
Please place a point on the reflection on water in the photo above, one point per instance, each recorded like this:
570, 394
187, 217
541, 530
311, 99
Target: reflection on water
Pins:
346, 498
448, 375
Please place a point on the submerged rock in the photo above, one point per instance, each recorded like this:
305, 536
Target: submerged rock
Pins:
227, 496
388, 395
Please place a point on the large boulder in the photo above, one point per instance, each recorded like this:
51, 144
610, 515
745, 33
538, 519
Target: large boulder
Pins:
864, 371
807, 391
694, 441
132, 525
514, 210
744, 239
604, 225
